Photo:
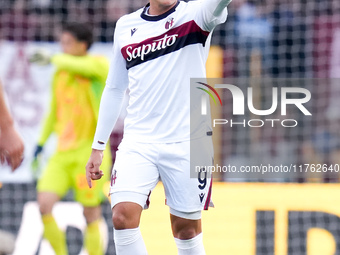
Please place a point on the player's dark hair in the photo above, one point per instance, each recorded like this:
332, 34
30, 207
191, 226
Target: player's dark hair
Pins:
81, 31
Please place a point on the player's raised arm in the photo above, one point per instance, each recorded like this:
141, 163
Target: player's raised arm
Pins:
87, 66
110, 107
212, 13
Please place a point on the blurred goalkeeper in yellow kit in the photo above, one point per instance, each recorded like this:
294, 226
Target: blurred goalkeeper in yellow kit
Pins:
77, 86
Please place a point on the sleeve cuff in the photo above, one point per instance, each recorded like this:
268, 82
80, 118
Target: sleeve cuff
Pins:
99, 145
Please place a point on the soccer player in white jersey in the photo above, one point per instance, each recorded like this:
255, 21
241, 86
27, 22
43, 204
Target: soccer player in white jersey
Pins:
156, 51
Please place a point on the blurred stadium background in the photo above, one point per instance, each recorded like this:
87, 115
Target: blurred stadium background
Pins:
279, 39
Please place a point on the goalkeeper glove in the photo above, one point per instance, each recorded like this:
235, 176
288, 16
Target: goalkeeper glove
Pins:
40, 57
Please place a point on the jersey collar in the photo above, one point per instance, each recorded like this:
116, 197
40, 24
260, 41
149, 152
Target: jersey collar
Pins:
159, 17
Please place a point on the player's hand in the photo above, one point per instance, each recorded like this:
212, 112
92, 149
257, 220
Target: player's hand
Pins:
40, 57
92, 167
11, 147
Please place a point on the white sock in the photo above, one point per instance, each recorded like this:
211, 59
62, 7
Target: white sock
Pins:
193, 246
129, 241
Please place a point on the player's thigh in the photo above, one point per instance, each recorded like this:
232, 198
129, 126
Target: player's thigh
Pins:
134, 174
187, 190
55, 178
89, 197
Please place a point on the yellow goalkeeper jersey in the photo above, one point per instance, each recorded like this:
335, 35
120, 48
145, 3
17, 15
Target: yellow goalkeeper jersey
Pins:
77, 87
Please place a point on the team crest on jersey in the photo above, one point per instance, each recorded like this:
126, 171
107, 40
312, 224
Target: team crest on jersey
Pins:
113, 177
169, 23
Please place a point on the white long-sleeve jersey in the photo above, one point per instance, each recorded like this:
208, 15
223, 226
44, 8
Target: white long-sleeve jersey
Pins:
155, 57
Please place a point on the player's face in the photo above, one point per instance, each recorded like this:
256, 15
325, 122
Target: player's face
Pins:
70, 45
